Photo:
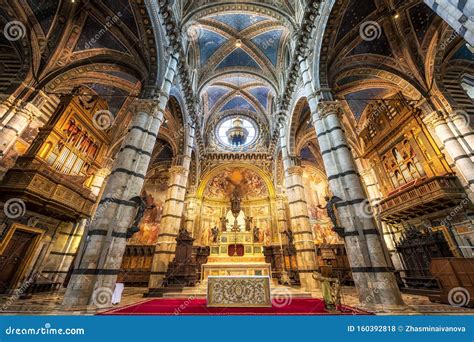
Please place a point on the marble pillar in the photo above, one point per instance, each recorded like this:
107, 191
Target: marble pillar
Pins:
95, 273
93, 281
98, 180
450, 140
461, 126
172, 218
371, 270
62, 251
14, 127
372, 273
299, 218
459, 14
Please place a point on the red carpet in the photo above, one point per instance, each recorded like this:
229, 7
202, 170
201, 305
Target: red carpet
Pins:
197, 306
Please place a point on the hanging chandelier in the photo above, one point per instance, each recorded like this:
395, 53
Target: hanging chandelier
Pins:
237, 135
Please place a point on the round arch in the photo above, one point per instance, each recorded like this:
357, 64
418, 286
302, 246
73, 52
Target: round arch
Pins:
210, 174
263, 8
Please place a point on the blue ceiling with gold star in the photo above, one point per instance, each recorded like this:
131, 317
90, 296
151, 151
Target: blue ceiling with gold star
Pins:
240, 54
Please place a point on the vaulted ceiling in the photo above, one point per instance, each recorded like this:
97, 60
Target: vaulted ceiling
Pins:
375, 48
238, 52
238, 60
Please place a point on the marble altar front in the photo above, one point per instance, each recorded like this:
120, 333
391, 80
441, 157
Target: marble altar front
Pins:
238, 291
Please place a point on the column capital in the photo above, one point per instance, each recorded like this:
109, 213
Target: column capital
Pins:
30, 110
295, 170
435, 119
104, 172
461, 114
330, 107
148, 106
153, 92
177, 170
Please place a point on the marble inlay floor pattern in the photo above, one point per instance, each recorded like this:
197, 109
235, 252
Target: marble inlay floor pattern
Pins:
50, 304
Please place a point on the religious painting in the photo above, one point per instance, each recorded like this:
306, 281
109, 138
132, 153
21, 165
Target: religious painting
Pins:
260, 211
150, 226
211, 211
315, 191
324, 235
249, 184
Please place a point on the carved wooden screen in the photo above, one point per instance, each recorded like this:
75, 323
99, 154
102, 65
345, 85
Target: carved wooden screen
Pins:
416, 249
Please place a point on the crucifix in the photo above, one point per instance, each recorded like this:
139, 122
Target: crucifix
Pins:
235, 209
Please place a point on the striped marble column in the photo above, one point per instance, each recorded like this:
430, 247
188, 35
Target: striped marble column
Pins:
281, 216
372, 274
453, 147
462, 128
172, 216
98, 180
6, 106
459, 14
15, 126
62, 251
299, 218
93, 279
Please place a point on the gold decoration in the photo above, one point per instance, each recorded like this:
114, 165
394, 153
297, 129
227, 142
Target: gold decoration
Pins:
238, 292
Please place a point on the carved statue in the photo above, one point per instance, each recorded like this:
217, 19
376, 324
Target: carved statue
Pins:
215, 234
248, 224
256, 234
331, 288
289, 236
141, 204
331, 211
267, 238
224, 222
235, 202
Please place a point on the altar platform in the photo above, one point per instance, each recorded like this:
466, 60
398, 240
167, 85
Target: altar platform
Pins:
236, 254
198, 307
235, 266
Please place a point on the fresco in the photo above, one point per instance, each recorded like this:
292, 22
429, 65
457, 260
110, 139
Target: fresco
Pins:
315, 190
322, 227
251, 185
155, 192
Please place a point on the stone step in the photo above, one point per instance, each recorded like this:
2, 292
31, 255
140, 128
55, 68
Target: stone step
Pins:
276, 291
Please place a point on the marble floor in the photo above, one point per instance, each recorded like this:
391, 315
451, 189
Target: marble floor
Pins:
50, 304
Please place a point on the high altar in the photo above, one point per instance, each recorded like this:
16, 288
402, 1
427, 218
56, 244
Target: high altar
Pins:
236, 241
236, 253
236, 272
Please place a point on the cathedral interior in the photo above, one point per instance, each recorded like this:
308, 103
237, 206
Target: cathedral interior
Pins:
156, 143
